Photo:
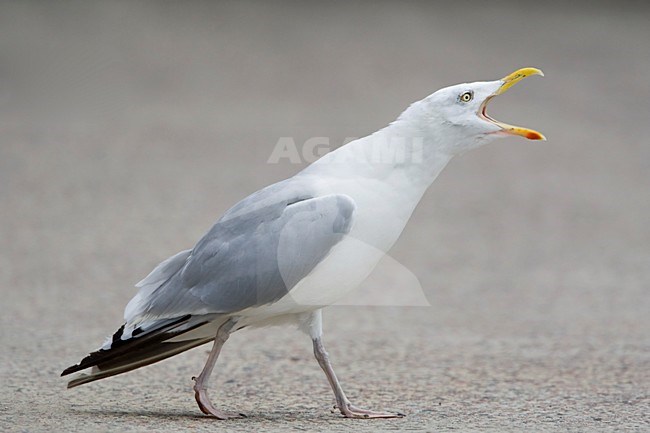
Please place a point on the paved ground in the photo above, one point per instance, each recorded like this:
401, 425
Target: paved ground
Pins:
125, 130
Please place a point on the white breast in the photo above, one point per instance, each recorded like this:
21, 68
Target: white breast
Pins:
380, 216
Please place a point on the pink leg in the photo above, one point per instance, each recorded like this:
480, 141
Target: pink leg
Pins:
200, 389
347, 409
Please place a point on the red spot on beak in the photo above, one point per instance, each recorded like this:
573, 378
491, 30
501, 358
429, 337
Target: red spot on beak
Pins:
532, 135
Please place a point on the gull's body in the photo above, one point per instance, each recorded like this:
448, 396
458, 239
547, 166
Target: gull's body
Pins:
290, 249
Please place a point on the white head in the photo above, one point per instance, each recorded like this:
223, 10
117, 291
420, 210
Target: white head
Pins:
455, 117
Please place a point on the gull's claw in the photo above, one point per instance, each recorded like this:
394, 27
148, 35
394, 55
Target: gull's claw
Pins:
351, 411
208, 408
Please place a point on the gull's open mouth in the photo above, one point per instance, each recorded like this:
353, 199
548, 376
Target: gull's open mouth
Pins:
508, 82
483, 113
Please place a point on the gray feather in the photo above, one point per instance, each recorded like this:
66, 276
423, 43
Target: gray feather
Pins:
254, 255
165, 270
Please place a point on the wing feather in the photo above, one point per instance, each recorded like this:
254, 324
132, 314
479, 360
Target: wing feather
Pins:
254, 255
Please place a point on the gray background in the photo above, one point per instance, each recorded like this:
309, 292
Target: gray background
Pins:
126, 129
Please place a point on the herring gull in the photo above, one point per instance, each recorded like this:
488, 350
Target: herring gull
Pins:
286, 251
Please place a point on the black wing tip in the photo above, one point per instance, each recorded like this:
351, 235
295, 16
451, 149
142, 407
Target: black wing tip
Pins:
70, 370
117, 344
87, 362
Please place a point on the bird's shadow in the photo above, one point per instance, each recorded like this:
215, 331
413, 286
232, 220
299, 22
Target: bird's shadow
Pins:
179, 416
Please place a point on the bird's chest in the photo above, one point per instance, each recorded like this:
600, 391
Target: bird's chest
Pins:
380, 216
382, 210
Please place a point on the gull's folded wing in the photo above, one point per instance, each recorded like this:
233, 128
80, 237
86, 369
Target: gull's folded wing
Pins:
236, 265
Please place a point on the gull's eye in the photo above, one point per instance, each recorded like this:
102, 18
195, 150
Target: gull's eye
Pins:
466, 97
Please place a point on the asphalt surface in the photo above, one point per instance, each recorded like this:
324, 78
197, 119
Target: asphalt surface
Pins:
127, 129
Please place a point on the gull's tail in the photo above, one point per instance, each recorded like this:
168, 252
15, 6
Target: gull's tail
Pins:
168, 338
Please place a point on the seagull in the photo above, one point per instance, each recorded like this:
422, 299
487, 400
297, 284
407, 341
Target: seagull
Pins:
285, 252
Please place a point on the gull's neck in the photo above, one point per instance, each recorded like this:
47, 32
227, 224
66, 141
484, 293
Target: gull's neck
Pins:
385, 173
403, 155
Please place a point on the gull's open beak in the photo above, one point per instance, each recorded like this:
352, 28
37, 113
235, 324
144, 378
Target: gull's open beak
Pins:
508, 82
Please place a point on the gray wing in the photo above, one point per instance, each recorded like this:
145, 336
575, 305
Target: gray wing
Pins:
254, 255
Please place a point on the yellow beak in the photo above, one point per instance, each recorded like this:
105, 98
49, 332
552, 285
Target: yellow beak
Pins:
516, 77
508, 82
